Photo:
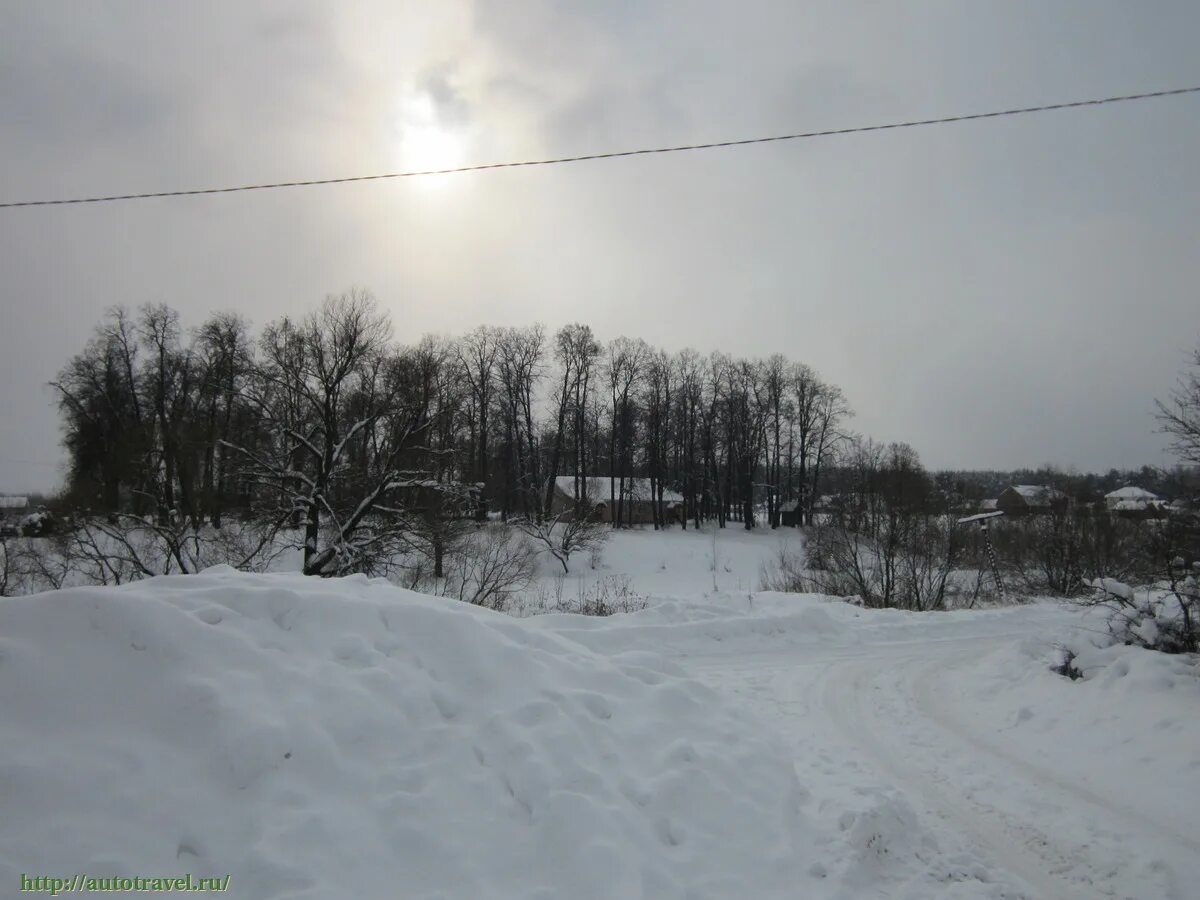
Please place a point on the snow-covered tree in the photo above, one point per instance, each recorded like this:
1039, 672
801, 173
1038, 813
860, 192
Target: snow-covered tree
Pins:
343, 419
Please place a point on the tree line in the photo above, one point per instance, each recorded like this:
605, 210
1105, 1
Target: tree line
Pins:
326, 424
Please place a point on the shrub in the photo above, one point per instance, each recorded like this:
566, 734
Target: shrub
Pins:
490, 567
610, 595
1156, 618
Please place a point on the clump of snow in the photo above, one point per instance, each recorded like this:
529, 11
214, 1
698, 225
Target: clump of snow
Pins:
334, 738
887, 834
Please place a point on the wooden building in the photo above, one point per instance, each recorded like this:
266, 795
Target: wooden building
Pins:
1031, 499
637, 500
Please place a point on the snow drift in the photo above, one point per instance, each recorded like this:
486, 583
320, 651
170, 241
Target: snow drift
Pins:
334, 738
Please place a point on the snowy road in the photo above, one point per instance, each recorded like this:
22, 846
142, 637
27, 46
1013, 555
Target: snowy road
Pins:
921, 799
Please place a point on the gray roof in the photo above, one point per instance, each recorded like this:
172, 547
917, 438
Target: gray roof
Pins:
14, 502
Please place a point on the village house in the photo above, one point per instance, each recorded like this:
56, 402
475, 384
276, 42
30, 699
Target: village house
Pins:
1031, 499
13, 508
637, 502
1135, 503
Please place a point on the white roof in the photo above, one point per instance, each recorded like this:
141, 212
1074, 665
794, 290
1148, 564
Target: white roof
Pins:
1129, 492
14, 502
600, 488
988, 504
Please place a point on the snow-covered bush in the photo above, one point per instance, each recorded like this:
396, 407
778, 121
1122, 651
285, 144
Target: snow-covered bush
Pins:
1161, 617
37, 524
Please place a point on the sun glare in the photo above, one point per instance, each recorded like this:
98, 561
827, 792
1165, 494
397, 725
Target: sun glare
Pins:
426, 143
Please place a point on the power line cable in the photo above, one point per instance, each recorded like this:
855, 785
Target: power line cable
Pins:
916, 123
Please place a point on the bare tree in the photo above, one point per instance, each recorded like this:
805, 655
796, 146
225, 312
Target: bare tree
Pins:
626, 360
477, 354
224, 357
1180, 415
519, 369
575, 352
8, 567
658, 400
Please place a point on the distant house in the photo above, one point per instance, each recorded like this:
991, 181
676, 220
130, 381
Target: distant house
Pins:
1031, 499
12, 511
637, 501
988, 505
13, 507
1130, 494
789, 513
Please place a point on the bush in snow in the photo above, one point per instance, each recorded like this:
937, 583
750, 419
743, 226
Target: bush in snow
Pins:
563, 535
489, 568
610, 595
1157, 618
1060, 553
785, 573
905, 564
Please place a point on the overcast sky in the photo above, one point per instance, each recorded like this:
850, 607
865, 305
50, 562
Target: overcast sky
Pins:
999, 294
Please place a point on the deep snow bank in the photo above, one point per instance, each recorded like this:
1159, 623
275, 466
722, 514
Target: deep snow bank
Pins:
342, 738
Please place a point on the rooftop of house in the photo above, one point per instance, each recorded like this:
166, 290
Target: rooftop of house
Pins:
1038, 494
14, 502
601, 488
1131, 492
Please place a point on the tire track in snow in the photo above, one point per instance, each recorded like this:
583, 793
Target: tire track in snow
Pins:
930, 700
1061, 837
1013, 847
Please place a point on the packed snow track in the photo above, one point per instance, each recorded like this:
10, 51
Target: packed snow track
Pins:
943, 802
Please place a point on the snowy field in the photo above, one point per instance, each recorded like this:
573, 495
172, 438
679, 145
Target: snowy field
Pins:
336, 738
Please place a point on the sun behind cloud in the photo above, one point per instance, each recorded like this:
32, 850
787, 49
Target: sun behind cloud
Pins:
425, 141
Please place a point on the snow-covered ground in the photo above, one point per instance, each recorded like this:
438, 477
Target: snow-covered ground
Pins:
318, 739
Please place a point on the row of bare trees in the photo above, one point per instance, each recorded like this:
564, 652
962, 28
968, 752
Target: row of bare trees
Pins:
325, 425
